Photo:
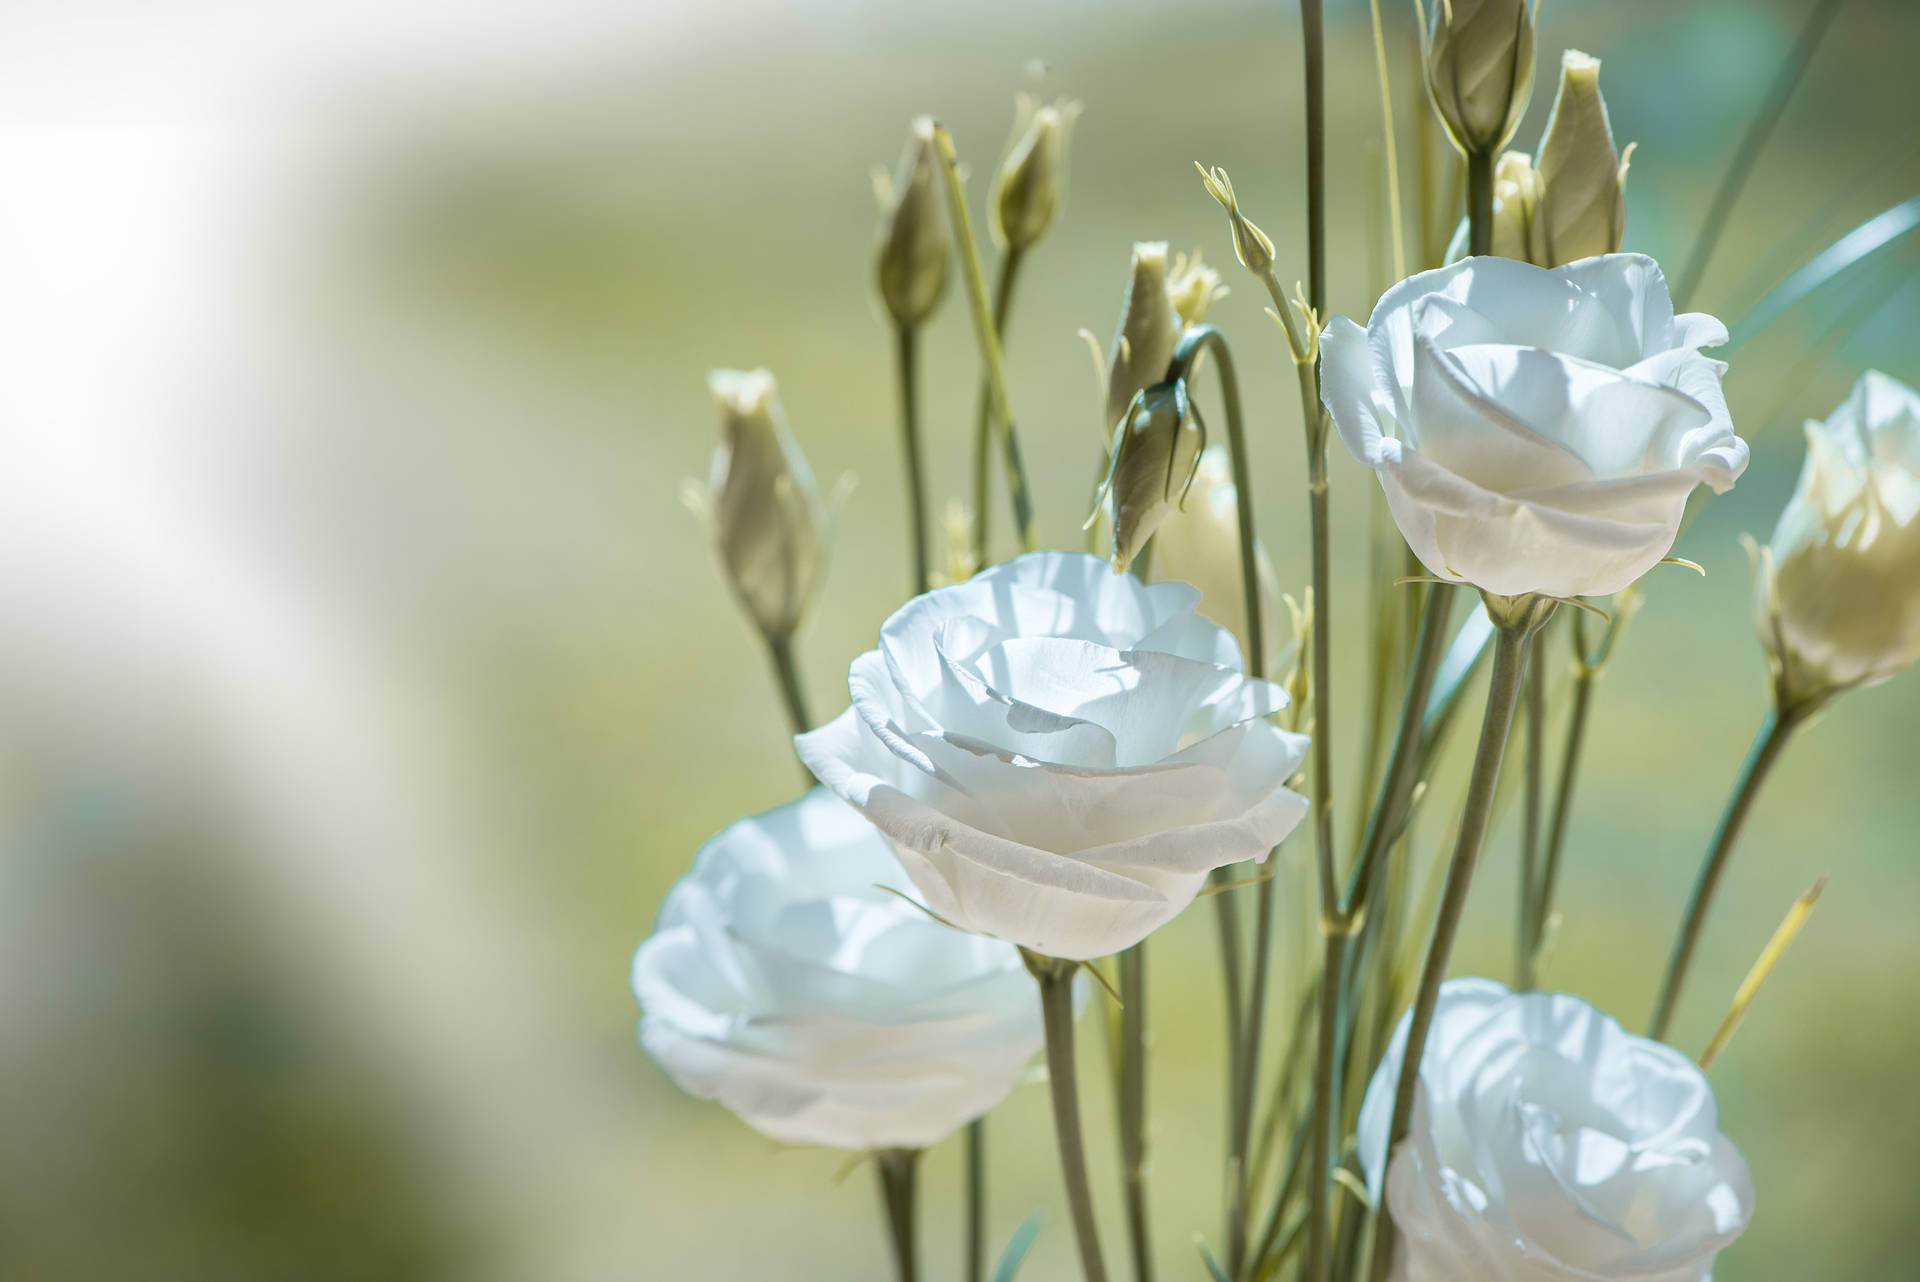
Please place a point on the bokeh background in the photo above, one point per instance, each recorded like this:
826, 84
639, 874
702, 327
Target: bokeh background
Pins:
364, 685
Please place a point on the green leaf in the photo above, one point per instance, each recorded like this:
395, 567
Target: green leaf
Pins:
1468, 644
1016, 1251
1883, 229
1206, 1257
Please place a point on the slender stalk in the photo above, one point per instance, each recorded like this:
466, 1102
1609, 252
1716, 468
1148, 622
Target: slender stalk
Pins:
1133, 1105
977, 1200
1583, 679
983, 412
908, 365
1527, 932
1775, 729
1751, 144
1479, 202
986, 334
1055, 978
1395, 218
1326, 1106
1515, 627
897, 1169
1314, 49
787, 676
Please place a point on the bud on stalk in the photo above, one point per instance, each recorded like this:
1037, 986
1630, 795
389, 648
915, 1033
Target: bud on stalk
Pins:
1480, 70
768, 521
1031, 183
1156, 449
911, 260
1582, 177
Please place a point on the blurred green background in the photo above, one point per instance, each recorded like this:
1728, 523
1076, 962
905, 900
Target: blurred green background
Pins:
322, 878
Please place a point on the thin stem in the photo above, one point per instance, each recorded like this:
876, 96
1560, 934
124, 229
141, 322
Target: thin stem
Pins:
897, 1168
1394, 217
1133, 1105
1527, 932
1313, 45
985, 333
1583, 679
983, 413
907, 365
1775, 729
1479, 202
1325, 1108
1055, 978
977, 1200
1503, 696
1751, 144
787, 676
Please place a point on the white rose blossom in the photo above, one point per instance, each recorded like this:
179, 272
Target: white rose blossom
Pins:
1534, 430
1061, 753
1550, 1145
784, 982
1839, 591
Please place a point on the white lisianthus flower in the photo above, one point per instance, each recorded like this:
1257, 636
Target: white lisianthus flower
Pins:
783, 981
1061, 753
1839, 591
1534, 430
1550, 1145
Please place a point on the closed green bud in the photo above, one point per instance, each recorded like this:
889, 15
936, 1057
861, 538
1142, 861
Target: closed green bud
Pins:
769, 526
1253, 247
1149, 328
1583, 177
1031, 184
911, 261
1480, 69
1156, 449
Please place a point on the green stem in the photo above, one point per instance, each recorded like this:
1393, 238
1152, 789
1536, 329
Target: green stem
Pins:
1055, 978
1326, 1107
985, 333
977, 1200
907, 364
1516, 626
787, 676
897, 1168
1583, 679
1479, 202
1527, 931
1133, 1105
1775, 729
1314, 51
983, 414
1751, 144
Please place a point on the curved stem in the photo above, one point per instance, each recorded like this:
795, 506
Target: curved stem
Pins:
1133, 1105
907, 365
1775, 729
1503, 696
983, 414
897, 1168
1055, 978
977, 1200
986, 335
787, 675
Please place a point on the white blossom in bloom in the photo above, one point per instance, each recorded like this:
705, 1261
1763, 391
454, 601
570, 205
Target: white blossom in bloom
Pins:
1535, 430
1061, 753
783, 980
1548, 1144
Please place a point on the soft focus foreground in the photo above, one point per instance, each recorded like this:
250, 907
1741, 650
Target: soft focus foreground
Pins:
368, 685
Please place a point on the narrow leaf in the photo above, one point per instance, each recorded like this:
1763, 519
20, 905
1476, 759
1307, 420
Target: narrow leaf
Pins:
1016, 1250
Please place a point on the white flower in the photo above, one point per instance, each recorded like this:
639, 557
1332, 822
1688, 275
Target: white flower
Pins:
783, 982
1839, 605
1534, 430
1060, 753
1550, 1145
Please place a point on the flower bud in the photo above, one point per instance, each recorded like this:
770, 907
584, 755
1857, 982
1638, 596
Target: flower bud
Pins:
1155, 451
768, 521
1149, 328
1582, 177
911, 261
1838, 598
1480, 69
1193, 288
1517, 230
1199, 543
1032, 180
1253, 247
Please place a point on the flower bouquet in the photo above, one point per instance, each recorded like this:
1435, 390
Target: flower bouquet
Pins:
1046, 758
